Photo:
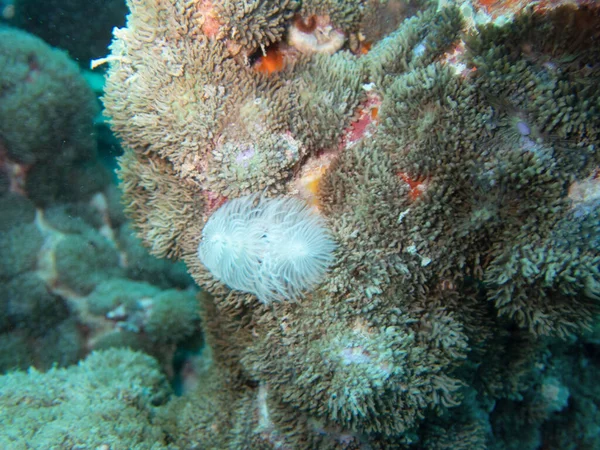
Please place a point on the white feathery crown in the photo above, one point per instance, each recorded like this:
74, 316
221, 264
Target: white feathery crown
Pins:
276, 249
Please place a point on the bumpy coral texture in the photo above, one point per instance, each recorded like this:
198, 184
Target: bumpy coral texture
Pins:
449, 164
273, 248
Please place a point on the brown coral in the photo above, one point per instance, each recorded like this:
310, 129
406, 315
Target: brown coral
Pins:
423, 177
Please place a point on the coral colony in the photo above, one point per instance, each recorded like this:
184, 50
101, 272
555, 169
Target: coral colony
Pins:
391, 207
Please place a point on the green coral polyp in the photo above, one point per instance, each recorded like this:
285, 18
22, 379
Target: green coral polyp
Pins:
243, 166
425, 273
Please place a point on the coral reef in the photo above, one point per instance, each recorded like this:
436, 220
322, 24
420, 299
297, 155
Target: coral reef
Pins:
73, 277
67, 282
455, 163
82, 406
46, 140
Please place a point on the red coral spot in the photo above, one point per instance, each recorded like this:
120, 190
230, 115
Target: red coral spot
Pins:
416, 185
367, 115
213, 201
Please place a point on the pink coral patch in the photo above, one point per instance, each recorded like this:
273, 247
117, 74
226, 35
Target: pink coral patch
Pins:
364, 123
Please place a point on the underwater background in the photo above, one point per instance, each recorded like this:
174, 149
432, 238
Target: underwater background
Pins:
287, 224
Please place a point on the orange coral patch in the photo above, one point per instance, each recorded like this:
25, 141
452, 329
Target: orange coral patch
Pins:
374, 113
312, 182
272, 61
364, 47
307, 182
416, 185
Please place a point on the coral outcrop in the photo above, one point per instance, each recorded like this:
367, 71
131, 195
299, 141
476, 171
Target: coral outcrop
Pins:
46, 107
81, 406
455, 164
73, 278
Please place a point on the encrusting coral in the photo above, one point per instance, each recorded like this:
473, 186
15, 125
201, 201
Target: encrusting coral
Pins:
456, 169
86, 400
47, 134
